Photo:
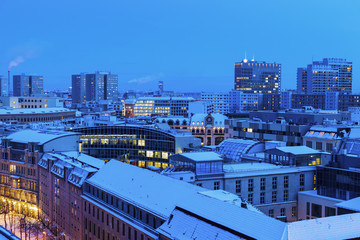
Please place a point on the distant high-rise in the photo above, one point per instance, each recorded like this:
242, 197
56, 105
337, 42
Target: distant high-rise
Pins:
79, 88
3, 86
328, 75
257, 77
94, 87
161, 87
27, 85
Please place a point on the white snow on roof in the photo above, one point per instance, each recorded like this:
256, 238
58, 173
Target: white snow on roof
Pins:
352, 204
245, 167
202, 156
337, 227
239, 171
40, 136
185, 226
80, 159
298, 150
160, 194
34, 110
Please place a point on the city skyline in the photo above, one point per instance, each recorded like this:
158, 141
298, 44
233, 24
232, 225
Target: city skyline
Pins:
172, 43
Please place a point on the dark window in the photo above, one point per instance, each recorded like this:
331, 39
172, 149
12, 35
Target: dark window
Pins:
309, 144
316, 210
329, 211
262, 184
238, 186
250, 185
307, 208
274, 183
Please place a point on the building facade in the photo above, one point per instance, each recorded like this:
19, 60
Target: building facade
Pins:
61, 176
21, 152
219, 100
328, 75
28, 85
257, 77
139, 145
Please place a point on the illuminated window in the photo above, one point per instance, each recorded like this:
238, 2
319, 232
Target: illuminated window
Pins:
149, 154
141, 143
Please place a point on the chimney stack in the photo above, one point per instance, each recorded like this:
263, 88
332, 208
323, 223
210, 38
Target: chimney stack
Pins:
8, 84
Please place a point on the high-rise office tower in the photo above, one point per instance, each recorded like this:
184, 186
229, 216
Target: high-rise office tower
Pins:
101, 86
27, 85
79, 88
3, 86
94, 87
161, 87
257, 77
328, 75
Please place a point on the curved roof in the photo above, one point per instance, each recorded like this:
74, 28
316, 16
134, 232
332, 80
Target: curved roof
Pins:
38, 136
233, 148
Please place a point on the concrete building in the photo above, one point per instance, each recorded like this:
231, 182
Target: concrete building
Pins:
270, 101
243, 102
20, 154
219, 100
138, 209
328, 75
305, 116
28, 85
257, 77
277, 130
32, 102
175, 106
27, 115
270, 188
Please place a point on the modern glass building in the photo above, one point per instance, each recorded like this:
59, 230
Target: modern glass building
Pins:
257, 77
140, 145
79, 88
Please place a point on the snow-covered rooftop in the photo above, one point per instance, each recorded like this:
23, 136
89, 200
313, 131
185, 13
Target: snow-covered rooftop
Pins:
352, 204
337, 227
34, 110
240, 170
79, 159
160, 195
298, 150
39, 136
202, 156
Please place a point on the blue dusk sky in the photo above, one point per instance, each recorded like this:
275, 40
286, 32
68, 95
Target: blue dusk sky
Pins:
191, 45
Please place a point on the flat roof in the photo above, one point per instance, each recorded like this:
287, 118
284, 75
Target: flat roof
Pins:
160, 194
4, 111
298, 150
352, 204
247, 171
202, 156
336, 227
39, 136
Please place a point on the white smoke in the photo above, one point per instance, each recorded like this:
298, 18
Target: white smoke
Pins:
16, 62
142, 80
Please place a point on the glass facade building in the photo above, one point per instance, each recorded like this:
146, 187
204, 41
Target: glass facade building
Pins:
139, 145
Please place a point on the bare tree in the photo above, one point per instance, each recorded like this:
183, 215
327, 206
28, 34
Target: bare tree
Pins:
5, 209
